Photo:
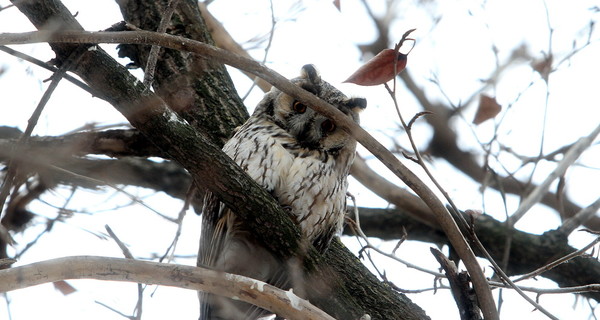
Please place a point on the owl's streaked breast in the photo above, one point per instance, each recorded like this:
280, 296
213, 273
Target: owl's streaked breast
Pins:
311, 185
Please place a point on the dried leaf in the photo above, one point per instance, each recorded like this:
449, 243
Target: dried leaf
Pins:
488, 109
543, 67
380, 69
338, 5
384, 66
64, 287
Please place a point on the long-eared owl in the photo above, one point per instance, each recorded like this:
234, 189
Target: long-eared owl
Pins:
302, 158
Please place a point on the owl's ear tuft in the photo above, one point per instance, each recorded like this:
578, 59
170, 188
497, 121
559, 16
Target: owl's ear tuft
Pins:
310, 72
357, 104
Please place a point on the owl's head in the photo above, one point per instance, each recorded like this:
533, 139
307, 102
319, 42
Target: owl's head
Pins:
311, 129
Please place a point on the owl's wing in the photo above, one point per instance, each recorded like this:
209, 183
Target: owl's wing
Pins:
210, 245
210, 237
227, 246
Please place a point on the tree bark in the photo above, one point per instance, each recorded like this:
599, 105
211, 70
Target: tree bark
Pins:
210, 168
528, 251
198, 89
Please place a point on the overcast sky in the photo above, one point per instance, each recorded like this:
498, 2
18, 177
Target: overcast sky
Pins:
456, 51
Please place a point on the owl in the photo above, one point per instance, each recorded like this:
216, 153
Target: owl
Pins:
302, 158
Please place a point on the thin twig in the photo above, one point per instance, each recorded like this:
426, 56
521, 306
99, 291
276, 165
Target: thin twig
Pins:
46, 66
137, 314
9, 179
573, 154
153, 55
557, 262
576, 289
546, 77
120, 243
267, 49
114, 310
7, 7
191, 193
361, 234
579, 218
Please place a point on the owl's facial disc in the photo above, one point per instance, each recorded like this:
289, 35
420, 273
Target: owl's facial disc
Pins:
312, 130
301, 124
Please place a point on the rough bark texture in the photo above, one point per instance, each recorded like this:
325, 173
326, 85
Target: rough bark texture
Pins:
175, 138
213, 108
199, 90
209, 167
528, 252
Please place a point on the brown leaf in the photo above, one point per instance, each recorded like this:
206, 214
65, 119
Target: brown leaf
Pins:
380, 69
488, 109
543, 67
64, 287
338, 5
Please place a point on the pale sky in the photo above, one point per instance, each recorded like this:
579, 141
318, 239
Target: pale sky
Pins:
455, 51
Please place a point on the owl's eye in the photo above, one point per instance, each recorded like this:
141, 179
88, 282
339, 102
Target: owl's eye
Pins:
328, 126
299, 107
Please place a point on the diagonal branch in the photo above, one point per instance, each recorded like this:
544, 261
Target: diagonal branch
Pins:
210, 167
422, 190
570, 156
444, 144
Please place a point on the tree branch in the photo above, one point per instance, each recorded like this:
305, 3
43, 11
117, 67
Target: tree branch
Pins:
528, 251
283, 303
141, 37
444, 144
211, 168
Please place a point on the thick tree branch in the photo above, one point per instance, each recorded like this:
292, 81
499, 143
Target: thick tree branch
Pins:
528, 251
172, 135
284, 303
442, 216
196, 153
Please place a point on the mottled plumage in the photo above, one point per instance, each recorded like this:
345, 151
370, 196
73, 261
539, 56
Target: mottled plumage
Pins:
303, 159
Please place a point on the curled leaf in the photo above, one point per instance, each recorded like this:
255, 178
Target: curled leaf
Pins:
380, 69
488, 109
